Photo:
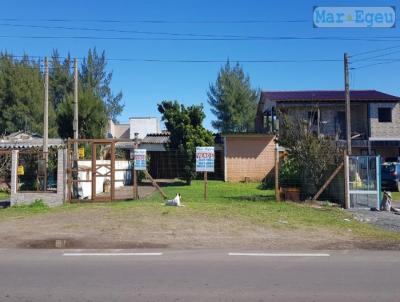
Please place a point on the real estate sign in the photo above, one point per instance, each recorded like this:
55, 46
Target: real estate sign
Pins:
205, 157
140, 159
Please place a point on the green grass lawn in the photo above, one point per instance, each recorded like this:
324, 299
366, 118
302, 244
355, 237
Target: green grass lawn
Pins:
396, 196
228, 202
248, 201
3, 195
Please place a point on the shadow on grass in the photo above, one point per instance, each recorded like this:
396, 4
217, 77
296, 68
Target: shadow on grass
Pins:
252, 198
172, 183
266, 186
163, 183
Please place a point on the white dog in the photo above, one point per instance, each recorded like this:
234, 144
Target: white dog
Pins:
175, 202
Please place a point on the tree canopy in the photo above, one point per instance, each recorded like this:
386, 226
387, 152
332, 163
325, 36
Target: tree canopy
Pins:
22, 94
232, 100
95, 77
187, 132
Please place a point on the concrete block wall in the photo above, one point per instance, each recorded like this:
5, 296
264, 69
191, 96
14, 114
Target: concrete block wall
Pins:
51, 199
385, 129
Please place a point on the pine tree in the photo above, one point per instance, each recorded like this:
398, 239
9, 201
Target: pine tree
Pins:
94, 76
21, 96
232, 100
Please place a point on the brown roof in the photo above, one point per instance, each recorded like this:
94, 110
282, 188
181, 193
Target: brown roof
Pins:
156, 138
329, 95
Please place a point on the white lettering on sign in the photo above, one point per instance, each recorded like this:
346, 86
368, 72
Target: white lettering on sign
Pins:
140, 159
205, 157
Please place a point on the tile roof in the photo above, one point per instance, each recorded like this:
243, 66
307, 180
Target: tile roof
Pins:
30, 143
156, 138
25, 140
329, 95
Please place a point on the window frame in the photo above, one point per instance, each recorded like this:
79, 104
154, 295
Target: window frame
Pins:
387, 115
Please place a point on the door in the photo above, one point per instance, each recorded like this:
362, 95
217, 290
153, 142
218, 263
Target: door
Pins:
103, 166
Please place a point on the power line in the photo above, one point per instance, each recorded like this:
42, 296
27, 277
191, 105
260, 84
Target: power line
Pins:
121, 31
374, 50
246, 37
375, 64
377, 56
160, 21
266, 38
155, 60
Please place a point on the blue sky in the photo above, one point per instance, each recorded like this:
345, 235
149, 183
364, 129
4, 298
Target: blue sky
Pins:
144, 84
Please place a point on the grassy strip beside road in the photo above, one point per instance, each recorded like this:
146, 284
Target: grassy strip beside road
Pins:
4, 195
240, 213
396, 196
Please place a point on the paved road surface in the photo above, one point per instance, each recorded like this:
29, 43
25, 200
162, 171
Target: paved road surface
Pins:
198, 275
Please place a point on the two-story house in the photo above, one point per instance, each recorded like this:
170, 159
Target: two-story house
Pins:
375, 117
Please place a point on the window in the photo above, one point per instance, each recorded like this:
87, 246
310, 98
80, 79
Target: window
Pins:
385, 115
313, 117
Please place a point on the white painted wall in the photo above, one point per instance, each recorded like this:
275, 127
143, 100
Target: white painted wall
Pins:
143, 126
120, 176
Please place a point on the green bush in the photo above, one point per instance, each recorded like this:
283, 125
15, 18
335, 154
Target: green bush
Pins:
37, 204
290, 173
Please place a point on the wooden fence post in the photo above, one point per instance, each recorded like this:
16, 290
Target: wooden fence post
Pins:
205, 186
277, 190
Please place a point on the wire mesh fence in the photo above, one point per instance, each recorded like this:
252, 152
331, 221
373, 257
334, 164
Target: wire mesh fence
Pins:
37, 171
5, 171
299, 183
103, 170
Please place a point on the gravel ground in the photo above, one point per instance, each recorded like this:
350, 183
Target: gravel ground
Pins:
386, 220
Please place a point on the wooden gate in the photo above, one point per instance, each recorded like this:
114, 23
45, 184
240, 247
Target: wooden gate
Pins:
91, 171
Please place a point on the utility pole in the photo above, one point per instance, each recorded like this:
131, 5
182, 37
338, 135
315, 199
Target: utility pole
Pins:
75, 122
348, 132
46, 121
135, 173
347, 95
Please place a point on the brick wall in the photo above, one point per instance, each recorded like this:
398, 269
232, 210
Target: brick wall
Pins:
249, 156
385, 129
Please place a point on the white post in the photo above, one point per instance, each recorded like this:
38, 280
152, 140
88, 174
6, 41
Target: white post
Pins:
378, 180
346, 183
14, 175
60, 172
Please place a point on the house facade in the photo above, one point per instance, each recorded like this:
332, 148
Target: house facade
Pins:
140, 125
375, 117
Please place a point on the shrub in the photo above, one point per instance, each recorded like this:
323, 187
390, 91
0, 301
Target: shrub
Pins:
37, 204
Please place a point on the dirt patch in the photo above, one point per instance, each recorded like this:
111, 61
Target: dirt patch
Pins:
152, 226
72, 243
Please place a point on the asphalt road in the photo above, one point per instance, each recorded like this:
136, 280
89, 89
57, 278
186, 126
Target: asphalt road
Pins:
198, 275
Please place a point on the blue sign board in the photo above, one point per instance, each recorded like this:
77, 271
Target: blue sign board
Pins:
205, 157
140, 159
